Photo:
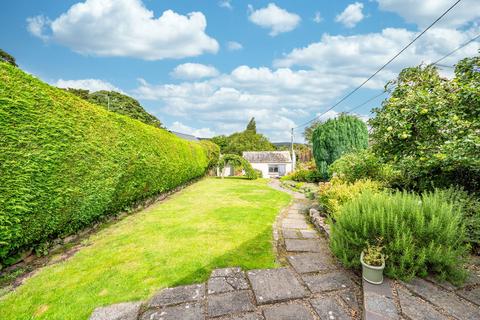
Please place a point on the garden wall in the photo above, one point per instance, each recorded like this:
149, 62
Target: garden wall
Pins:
65, 163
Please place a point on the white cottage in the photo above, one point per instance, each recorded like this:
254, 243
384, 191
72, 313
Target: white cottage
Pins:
271, 163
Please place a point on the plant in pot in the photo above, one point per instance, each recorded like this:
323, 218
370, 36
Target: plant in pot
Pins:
373, 263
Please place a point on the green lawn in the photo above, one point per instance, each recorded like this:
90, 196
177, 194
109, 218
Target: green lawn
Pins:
213, 223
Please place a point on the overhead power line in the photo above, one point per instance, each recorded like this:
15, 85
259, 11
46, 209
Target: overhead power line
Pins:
383, 66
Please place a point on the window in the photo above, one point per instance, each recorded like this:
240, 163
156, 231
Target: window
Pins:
273, 169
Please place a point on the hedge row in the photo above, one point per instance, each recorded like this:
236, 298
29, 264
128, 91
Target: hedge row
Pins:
65, 163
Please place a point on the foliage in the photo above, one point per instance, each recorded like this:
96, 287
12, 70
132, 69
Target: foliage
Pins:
429, 127
304, 175
332, 195
421, 234
212, 151
238, 161
65, 163
6, 57
252, 125
247, 140
119, 103
308, 131
469, 204
215, 223
336, 137
363, 164
373, 254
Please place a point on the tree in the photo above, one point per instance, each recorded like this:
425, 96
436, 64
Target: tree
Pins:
119, 103
429, 127
5, 57
252, 126
308, 132
335, 137
248, 140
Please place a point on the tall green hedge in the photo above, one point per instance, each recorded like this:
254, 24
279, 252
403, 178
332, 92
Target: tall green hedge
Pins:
335, 137
65, 163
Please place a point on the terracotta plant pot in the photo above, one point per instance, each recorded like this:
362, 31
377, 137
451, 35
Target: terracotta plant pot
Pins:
372, 274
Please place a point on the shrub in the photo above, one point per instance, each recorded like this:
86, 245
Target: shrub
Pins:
470, 206
363, 164
429, 127
65, 163
421, 234
336, 137
238, 161
332, 195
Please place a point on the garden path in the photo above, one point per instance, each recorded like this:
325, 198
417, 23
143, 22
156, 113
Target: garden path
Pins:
310, 285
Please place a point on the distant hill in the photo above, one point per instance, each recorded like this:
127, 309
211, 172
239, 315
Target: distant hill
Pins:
119, 103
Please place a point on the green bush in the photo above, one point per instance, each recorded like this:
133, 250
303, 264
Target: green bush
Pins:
421, 234
363, 164
332, 195
238, 161
304, 175
429, 127
470, 206
65, 163
335, 137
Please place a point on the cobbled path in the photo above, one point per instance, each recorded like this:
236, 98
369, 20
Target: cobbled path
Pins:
309, 285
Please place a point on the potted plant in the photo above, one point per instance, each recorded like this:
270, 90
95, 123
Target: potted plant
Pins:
373, 263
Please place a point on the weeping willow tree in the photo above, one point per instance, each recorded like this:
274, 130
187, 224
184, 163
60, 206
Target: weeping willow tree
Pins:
335, 137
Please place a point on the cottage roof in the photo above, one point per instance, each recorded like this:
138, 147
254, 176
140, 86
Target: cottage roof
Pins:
267, 156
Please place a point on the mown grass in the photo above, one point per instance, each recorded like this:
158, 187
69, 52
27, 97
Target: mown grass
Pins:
213, 223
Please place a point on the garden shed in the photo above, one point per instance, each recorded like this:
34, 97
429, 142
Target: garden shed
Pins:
270, 163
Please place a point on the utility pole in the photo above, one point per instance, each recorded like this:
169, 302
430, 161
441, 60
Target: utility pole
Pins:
294, 160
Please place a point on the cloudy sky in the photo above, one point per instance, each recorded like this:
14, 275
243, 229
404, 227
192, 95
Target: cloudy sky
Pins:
206, 67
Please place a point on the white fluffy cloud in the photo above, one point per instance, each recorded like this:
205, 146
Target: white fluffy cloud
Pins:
190, 71
234, 46
126, 28
276, 19
200, 133
426, 11
351, 15
88, 84
361, 55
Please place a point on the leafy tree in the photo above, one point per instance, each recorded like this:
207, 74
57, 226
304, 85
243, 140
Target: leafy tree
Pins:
236, 160
337, 136
308, 132
248, 140
118, 103
252, 125
429, 127
5, 57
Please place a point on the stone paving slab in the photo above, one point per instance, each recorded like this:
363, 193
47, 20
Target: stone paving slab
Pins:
119, 311
171, 296
291, 234
294, 224
446, 300
300, 245
188, 311
415, 308
229, 303
225, 272
292, 311
378, 301
319, 283
311, 262
309, 234
350, 300
232, 282
472, 295
275, 285
247, 316
328, 308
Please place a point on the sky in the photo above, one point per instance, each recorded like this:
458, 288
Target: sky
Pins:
206, 67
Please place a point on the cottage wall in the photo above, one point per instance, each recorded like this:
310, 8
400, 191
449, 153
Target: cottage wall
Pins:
264, 168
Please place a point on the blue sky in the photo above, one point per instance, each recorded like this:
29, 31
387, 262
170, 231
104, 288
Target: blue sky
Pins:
206, 67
